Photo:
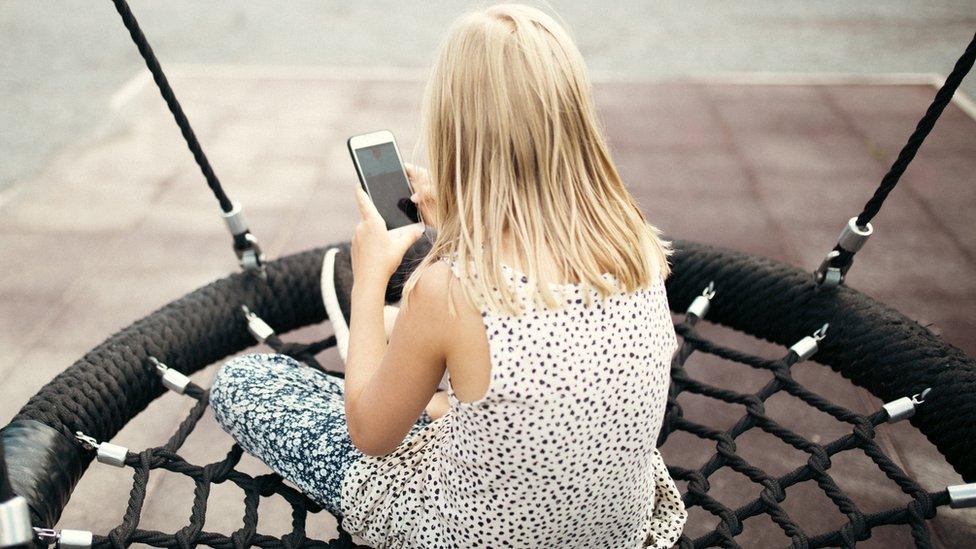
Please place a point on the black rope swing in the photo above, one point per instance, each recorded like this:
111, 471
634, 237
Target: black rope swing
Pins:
245, 244
835, 266
47, 446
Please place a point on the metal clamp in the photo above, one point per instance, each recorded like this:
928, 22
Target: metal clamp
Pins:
258, 327
74, 539
962, 495
251, 257
249, 254
106, 452
852, 238
173, 380
699, 307
904, 407
235, 220
47, 536
806, 347
15, 523
65, 539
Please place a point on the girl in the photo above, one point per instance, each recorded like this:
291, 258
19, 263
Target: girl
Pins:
542, 298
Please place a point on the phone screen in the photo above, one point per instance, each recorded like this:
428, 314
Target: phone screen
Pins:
387, 185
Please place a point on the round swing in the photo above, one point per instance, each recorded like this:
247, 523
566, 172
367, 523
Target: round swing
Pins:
50, 443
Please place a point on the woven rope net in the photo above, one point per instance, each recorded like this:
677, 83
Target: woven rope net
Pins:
817, 470
867, 342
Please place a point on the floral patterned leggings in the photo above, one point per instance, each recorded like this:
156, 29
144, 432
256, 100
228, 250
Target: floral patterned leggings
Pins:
292, 417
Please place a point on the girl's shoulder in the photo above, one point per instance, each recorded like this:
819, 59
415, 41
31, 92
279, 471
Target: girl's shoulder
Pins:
437, 286
432, 282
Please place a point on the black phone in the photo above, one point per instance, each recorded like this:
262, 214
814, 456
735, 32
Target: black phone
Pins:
381, 173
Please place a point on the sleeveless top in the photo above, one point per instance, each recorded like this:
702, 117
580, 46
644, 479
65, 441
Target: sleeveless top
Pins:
559, 452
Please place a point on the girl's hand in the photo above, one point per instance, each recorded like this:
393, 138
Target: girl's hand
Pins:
377, 252
423, 193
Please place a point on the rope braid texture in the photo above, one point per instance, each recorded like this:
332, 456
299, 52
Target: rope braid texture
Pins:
146, 51
166, 458
173, 104
100, 393
858, 528
867, 342
942, 98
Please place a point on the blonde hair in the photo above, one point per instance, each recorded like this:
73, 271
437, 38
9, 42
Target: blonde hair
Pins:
514, 145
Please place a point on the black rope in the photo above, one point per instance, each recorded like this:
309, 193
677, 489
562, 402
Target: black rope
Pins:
304, 352
858, 526
174, 105
925, 125
915, 513
841, 259
205, 476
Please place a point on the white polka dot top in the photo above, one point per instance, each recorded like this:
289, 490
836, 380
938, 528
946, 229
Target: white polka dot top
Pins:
559, 452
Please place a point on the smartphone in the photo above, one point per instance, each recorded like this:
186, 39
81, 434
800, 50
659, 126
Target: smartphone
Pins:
381, 173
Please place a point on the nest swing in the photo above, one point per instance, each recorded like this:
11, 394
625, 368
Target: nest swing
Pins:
50, 443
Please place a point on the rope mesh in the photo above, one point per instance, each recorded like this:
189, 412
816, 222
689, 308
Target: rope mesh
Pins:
915, 513
862, 436
166, 458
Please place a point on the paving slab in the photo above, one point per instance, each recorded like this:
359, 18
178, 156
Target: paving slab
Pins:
121, 223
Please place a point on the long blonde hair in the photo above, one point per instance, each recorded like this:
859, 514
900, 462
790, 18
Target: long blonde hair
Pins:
513, 144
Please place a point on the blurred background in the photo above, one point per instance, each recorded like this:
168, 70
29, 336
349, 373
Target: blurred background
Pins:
757, 125
63, 61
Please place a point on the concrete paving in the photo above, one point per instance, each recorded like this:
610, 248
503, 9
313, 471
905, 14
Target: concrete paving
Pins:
61, 61
120, 222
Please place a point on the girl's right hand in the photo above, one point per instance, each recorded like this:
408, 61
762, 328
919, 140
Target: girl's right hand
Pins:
423, 193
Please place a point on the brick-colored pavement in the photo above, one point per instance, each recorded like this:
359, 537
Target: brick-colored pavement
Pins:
120, 223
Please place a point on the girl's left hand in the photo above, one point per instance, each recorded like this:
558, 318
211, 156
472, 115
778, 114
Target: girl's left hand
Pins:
377, 252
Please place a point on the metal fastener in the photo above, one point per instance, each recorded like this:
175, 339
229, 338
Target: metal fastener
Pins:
173, 380
806, 347
258, 327
699, 306
15, 523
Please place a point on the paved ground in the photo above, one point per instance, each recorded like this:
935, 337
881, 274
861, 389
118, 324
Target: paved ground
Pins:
119, 223
61, 61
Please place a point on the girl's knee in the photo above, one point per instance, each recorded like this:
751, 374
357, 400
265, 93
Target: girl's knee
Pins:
236, 378
239, 369
248, 374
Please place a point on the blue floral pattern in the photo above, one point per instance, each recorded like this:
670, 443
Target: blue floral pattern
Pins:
293, 418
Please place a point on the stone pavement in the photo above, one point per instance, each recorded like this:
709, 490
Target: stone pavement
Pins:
57, 59
121, 222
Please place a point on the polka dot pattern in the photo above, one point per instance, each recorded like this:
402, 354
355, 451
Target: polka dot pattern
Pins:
559, 452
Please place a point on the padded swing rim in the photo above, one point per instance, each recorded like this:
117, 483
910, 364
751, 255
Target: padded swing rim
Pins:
868, 342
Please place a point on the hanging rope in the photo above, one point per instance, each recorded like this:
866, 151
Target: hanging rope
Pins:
145, 50
833, 269
245, 245
925, 125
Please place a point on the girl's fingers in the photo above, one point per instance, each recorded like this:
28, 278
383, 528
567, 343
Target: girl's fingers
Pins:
419, 178
360, 204
406, 236
412, 173
367, 210
424, 194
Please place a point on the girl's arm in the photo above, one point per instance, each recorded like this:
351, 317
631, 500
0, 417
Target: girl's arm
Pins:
387, 386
